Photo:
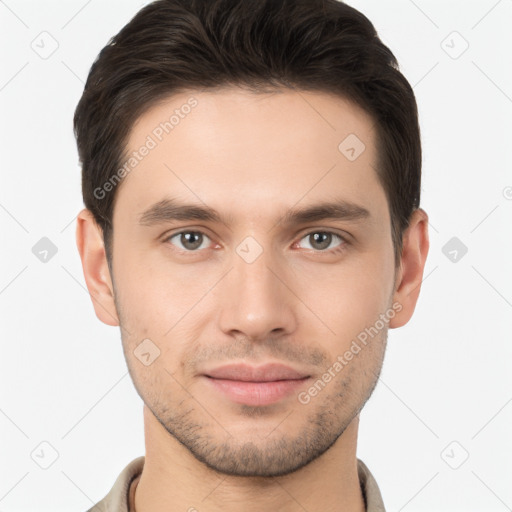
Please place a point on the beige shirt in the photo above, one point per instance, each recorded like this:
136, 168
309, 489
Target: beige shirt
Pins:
117, 500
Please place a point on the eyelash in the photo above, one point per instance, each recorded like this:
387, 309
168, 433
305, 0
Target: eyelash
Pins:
336, 250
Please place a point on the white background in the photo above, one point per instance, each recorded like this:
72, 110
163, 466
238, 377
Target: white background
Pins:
447, 374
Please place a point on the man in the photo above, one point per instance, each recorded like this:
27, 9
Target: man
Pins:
251, 177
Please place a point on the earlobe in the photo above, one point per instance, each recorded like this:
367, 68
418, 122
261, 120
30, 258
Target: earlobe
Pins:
89, 240
414, 254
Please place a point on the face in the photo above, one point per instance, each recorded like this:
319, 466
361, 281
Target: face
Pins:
225, 252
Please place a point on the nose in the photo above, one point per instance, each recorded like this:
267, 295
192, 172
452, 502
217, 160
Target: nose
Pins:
256, 298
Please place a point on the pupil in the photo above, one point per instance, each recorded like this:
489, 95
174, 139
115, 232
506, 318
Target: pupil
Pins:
187, 243
325, 236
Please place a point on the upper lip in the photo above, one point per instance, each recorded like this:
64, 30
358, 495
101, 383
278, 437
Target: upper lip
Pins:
266, 373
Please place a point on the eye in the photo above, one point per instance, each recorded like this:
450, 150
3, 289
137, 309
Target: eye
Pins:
190, 240
321, 240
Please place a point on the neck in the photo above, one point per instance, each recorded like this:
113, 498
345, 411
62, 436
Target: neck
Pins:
173, 479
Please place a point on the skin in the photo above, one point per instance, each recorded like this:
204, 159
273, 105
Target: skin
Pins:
253, 158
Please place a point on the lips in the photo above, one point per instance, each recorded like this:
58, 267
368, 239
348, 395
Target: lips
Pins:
255, 386
245, 373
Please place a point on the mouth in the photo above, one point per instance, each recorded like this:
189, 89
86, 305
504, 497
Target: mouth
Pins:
256, 386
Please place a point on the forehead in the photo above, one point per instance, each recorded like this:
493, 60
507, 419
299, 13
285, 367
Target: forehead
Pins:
233, 146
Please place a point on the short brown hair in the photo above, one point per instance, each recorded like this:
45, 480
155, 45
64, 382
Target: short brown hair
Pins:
316, 45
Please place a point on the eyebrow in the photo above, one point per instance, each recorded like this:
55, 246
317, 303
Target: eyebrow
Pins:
170, 209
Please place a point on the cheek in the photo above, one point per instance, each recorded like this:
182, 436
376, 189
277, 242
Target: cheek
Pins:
155, 272
159, 300
346, 297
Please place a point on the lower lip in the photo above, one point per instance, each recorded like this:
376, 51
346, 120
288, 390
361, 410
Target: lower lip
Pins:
256, 393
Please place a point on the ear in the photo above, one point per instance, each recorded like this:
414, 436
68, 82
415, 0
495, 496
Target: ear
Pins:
89, 240
412, 263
